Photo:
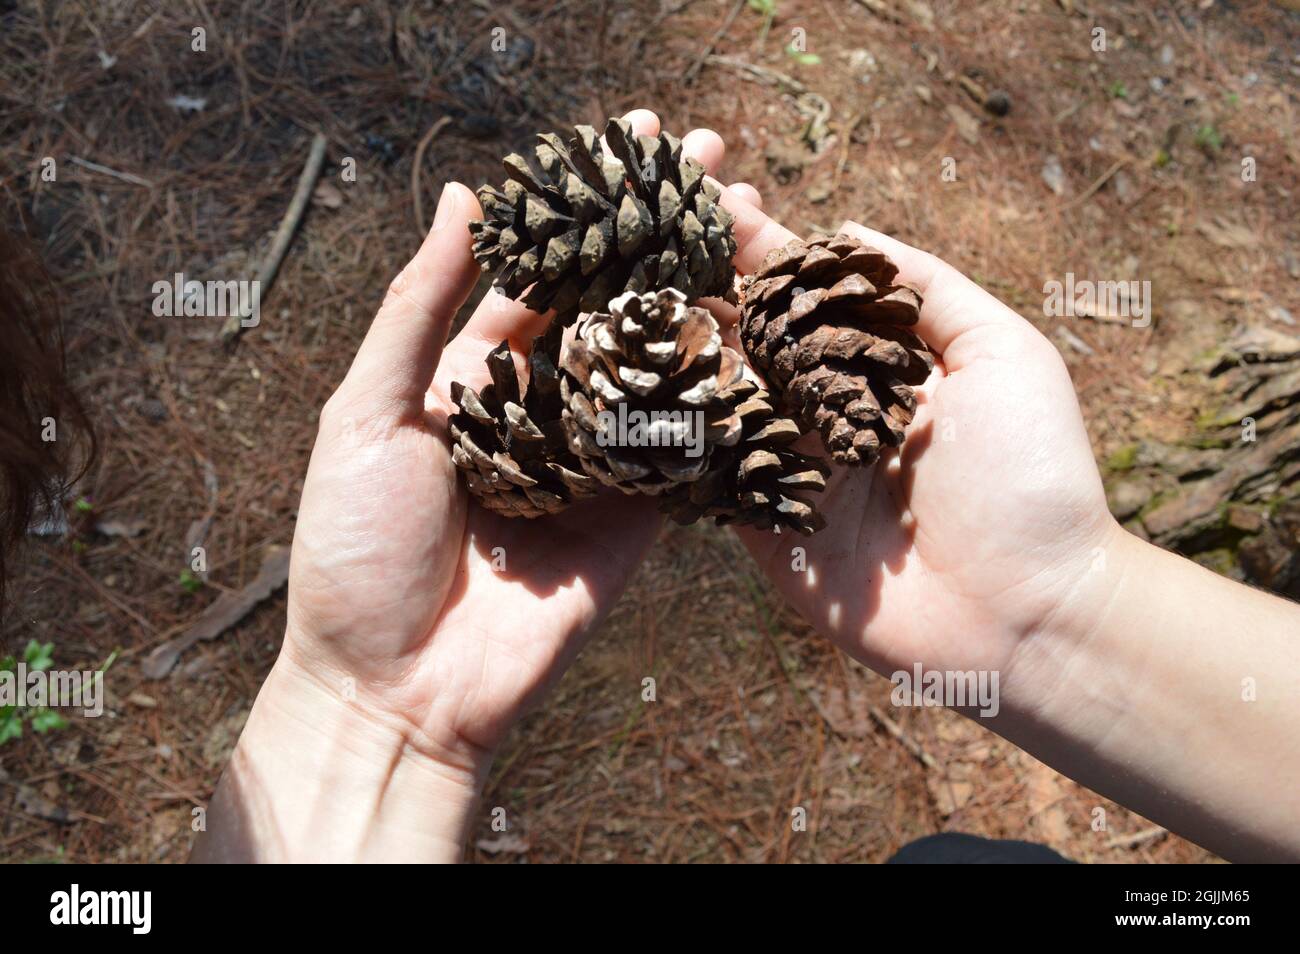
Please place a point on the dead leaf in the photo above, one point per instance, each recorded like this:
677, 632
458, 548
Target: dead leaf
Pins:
328, 195
1235, 296
967, 125
506, 844
1226, 234
143, 700
1054, 175
227, 611
121, 528
32, 802
951, 786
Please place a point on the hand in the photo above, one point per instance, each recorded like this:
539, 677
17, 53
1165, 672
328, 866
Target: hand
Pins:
421, 626
980, 533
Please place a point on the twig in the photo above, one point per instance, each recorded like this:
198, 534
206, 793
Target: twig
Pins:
759, 74
1101, 181
695, 67
909, 743
415, 171
96, 167
234, 325
1138, 838
849, 129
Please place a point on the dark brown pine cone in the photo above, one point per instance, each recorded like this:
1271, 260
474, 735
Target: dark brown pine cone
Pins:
512, 448
757, 481
599, 221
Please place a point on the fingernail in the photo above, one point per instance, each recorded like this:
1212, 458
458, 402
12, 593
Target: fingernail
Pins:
446, 207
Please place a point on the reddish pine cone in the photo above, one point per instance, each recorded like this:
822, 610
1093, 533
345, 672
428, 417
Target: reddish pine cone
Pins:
827, 325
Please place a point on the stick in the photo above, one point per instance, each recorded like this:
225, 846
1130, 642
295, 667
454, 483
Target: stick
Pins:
760, 74
695, 67
96, 167
234, 325
909, 743
1138, 838
415, 170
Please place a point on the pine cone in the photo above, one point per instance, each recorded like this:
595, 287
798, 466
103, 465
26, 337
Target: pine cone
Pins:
755, 482
642, 392
827, 326
512, 449
596, 222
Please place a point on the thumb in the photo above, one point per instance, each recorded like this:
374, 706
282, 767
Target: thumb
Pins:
397, 359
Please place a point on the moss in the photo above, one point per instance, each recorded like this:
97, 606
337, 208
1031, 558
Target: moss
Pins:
1123, 459
1163, 497
1222, 560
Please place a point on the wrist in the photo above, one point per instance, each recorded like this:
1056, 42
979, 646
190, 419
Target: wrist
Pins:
319, 776
1069, 650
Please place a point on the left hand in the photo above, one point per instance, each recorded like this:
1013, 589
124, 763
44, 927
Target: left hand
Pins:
420, 626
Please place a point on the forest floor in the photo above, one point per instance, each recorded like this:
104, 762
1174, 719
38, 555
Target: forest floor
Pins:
1117, 164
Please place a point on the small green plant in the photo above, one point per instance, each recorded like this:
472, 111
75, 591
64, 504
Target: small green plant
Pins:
1209, 139
1118, 90
1123, 459
189, 582
801, 57
83, 505
38, 658
768, 9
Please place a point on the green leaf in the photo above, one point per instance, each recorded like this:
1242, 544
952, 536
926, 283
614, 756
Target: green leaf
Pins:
765, 7
803, 59
11, 725
46, 720
83, 505
38, 657
189, 582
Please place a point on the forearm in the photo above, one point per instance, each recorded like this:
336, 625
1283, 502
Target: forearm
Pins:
314, 778
1178, 698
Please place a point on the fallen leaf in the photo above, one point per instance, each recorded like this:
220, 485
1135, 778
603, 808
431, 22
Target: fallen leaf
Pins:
228, 610
967, 125
328, 195
1054, 175
37, 805
507, 844
121, 528
1227, 234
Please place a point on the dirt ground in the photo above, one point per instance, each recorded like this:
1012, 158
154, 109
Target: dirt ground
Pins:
1119, 164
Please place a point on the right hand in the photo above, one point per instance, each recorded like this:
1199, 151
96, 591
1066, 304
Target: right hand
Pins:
980, 534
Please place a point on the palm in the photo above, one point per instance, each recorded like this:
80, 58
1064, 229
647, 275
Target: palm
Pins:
954, 551
406, 586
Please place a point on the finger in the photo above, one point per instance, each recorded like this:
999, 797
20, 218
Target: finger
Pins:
397, 358
706, 147
952, 306
727, 314
755, 233
747, 192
